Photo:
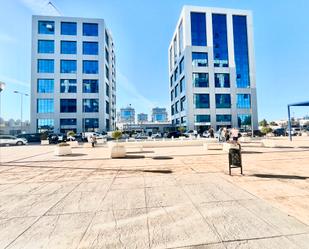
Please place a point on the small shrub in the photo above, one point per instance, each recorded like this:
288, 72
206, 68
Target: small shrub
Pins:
70, 133
116, 134
44, 135
63, 144
266, 130
181, 129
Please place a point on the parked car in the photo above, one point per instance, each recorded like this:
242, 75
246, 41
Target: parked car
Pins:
156, 135
174, 134
294, 132
98, 135
279, 132
141, 136
31, 137
207, 134
11, 140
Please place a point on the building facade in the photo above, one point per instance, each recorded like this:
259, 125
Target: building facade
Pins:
159, 115
212, 69
73, 79
127, 115
142, 118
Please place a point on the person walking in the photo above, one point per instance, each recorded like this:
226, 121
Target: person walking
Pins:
93, 140
222, 134
211, 132
235, 134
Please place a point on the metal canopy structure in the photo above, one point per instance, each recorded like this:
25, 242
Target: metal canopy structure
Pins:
289, 114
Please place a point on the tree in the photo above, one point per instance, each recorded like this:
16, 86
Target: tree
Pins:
116, 134
182, 129
273, 123
266, 130
263, 123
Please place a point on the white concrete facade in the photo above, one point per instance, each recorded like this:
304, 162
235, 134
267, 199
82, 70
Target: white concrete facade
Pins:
105, 94
176, 53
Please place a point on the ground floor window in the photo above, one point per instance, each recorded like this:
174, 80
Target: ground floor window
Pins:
90, 124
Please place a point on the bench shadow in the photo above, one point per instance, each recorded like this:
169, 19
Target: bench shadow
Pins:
162, 158
74, 155
161, 171
140, 152
271, 176
251, 152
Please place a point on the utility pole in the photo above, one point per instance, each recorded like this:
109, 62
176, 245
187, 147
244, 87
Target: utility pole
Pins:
21, 108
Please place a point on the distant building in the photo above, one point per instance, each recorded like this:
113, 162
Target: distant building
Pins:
12, 127
159, 115
127, 115
142, 118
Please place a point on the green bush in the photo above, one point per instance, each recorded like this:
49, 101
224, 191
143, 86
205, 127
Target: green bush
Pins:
116, 134
63, 144
71, 134
44, 135
266, 130
181, 129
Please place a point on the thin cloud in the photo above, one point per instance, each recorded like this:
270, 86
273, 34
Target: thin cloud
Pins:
9, 80
42, 7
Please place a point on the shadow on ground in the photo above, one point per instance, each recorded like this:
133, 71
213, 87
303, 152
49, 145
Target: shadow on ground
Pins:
162, 158
294, 177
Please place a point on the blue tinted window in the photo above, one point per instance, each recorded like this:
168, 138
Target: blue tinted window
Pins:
223, 101
222, 80
46, 27
45, 105
106, 38
90, 124
90, 86
176, 90
68, 28
200, 79
107, 125
202, 118
244, 120
68, 121
90, 29
243, 101
198, 29
241, 51
107, 107
46, 46
224, 118
90, 105
201, 100
68, 86
45, 66
172, 95
177, 107
180, 38
45, 86
182, 103
68, 47
106, 72
90, 48
199, 59
90, 67
45, 125
176, 74
220, 47
68, 66
181, 66
182, 85
67, 105
107, 89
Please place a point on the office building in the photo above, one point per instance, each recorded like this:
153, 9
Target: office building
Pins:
212, 69
73, 79
142, 118
159, 115
127, 115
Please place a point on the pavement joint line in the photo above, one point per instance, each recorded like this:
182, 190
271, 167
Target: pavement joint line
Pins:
147, 212
17, 160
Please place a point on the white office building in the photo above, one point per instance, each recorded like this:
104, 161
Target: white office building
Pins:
73, 79
212, 69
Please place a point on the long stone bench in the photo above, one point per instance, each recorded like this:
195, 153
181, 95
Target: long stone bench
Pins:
213, 146
228, 146
270, 143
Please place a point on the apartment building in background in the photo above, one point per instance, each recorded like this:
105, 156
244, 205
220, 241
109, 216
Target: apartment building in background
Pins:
126, 115
212, 69
73, 78
142, 118
159, 115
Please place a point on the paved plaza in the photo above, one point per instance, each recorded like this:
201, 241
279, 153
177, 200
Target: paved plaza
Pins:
175, 197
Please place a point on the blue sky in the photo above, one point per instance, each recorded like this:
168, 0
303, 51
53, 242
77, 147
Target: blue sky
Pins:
142, 31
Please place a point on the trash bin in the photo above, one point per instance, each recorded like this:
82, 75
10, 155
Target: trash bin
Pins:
235, 159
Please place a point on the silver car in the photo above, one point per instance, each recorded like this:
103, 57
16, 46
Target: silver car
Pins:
11, 140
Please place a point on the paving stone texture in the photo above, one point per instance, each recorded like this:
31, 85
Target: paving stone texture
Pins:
88, 200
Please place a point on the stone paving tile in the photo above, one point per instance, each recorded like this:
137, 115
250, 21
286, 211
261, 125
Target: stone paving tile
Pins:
128, 182
94, 186
117, 229
23, 188
301, 240
59, 231
178, 226
165, 196
56, 187
234, 222
119, 199
205, 246
101, 175
160, 181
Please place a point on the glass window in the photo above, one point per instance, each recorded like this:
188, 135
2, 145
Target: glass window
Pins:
67, 66
90, 67
200, 79
171, 58
90, 86
175, 49
244, 120
222, 80
171, 80
68, 47
198, 29
177, 107
45, 66
202, 118
90, 124
107, 124
106, 55
90, 29
68, 121
106, 72
183, 120
172, 95
201, 100
107, 107
172, 110
46, 27
45, 105
183, 103
182, 85
67, 105
180, 38
223, 101
181, 66
106, 38
68, 28
45, 86
223, 118
46, 46
107, 89
176, 74
68, 86
220, 47
91, 48
45, 125
243, 101
90, 105
176, 90
241, 51
199, 59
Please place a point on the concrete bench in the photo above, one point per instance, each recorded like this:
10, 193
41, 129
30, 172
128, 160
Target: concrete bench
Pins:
133, 145
270, 143
73, 144
228, 146
245, 139
213, 146
44, 142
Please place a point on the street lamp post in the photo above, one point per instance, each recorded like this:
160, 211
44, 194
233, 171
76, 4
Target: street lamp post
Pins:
21, 108
2, 86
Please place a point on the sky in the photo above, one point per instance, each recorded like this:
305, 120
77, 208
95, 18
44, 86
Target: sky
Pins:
142, 30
